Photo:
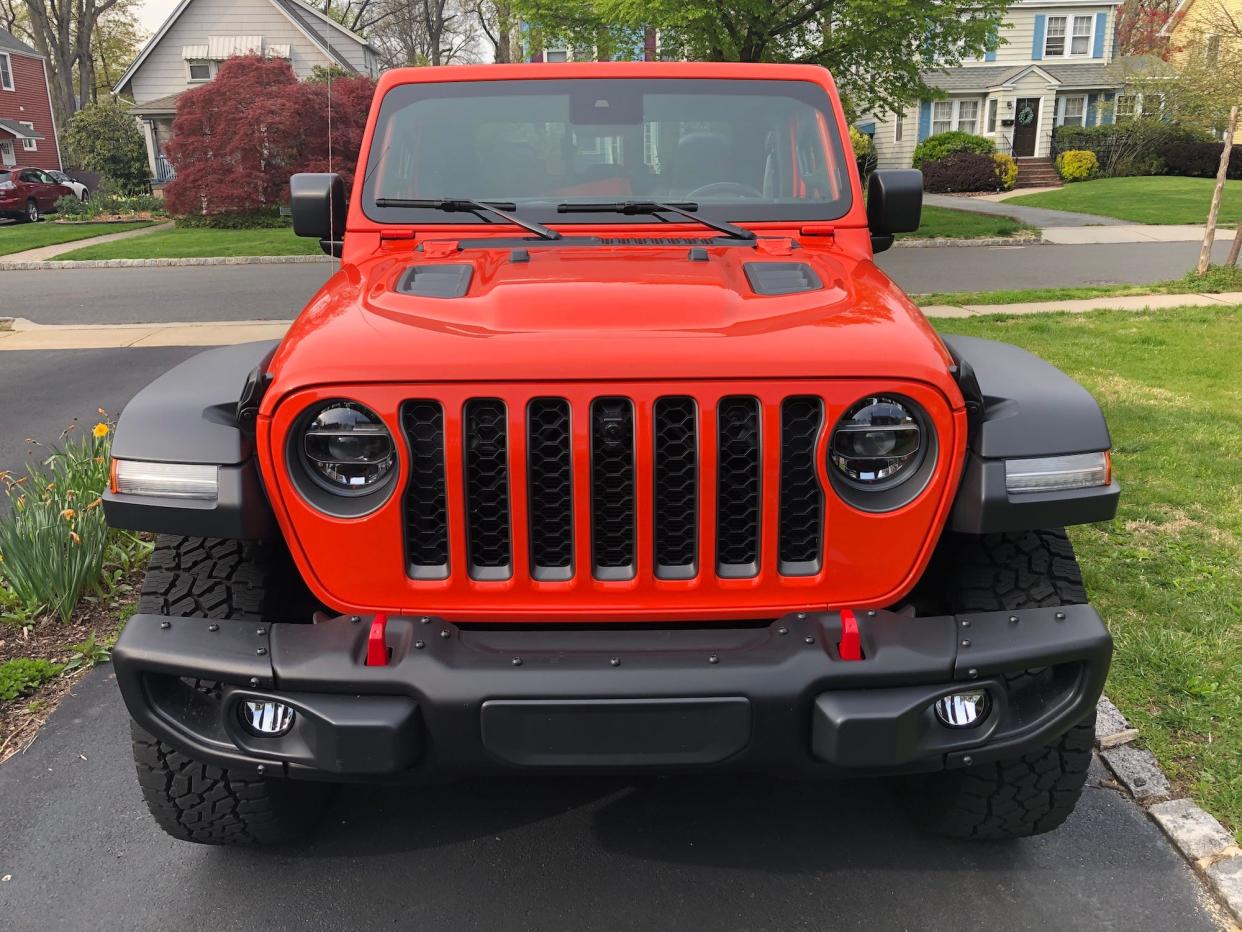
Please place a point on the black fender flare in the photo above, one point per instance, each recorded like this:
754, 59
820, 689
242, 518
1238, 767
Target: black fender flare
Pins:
190, 414
1022, 407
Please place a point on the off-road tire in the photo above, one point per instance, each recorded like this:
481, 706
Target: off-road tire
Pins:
192, 800
1036, 792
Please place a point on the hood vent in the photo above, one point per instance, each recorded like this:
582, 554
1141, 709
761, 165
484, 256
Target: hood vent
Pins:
653, 241
436, 281
776, 278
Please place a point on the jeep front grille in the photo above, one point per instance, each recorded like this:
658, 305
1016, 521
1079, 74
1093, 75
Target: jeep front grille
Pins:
706, 463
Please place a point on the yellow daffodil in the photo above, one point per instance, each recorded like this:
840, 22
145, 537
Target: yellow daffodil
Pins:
68, 514
73, 536
101, 430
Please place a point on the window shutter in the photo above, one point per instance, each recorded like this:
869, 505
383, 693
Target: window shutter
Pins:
1101, 24
1110, 109
924, 120
993, 44
1089, 117
1037, 47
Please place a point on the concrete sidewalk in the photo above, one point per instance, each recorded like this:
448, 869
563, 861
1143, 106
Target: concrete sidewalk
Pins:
1032, 216
27, 335
43, 253
1131, 233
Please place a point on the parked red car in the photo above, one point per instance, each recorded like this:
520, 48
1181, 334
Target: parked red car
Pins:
28, 193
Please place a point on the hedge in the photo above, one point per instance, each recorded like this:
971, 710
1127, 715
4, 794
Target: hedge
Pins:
1200, 159
1132, 148
937, 147
961, 172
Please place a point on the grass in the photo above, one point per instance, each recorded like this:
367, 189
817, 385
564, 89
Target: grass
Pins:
18, 237
1159, 200
1166, 574
1218, 279
942, 221
188, 243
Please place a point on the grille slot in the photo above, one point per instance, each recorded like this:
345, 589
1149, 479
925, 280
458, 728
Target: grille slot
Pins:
739, 487
426, 514
800, 534
612, 488
486, 460
676, 465
550, 493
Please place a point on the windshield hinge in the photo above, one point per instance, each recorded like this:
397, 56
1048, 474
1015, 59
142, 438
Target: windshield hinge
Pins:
818, 229
396, 234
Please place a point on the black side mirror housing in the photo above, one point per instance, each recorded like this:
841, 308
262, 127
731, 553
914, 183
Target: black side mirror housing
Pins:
894, 204
317, 201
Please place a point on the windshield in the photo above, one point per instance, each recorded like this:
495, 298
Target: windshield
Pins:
740, 150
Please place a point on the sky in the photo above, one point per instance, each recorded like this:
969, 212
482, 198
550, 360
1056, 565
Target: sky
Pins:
152, 13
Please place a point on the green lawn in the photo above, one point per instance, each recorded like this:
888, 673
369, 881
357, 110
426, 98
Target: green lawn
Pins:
1166, 574
1217, 280
194, 243
1141, 200
941, 221
18, 237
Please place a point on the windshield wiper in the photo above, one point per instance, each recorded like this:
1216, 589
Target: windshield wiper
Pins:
464, 205
682, 209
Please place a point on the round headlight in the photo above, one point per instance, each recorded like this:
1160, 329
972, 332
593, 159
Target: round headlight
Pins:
347, 449
877, 444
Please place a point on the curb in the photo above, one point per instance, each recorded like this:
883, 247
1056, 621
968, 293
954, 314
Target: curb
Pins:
1210, 849
159, 263
935, 241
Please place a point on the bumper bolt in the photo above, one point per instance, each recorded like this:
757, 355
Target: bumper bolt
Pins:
801, 616
615, 662
965, 642
871, 613
782, 630
965, 622
809, 639
713, 659
424, 620
1013, 619
213, 627
254, 681
354, 619
262, 768
165, 625
261, 651
261, 631
517, 661
419, 645
968, 760
972, 673
1059, 616
444, 633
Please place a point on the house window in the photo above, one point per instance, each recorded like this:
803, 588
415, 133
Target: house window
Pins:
556, 55
961, 115
993, 106
198, 70
1073, 110
6, 72
967, 116
1126, 107
30, 145
942, 116
899, 127
1079, 41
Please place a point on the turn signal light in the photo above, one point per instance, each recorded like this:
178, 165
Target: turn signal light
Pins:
164, 480
1058, 473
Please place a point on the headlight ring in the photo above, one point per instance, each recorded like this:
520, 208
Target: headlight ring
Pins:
342, 458
881, 453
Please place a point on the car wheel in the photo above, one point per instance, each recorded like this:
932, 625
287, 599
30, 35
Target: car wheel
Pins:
86, 195
32, 211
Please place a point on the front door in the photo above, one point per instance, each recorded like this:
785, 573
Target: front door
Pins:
1025, 125
7, 159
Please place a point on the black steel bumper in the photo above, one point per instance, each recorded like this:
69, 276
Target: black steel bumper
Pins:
453, 698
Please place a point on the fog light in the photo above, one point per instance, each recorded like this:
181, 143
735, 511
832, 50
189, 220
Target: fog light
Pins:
266, 718
963, 710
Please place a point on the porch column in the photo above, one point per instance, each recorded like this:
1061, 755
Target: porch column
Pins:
150, 141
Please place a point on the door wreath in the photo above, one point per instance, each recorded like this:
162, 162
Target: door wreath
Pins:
1026, 115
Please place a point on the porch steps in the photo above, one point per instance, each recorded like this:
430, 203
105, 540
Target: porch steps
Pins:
1037, 173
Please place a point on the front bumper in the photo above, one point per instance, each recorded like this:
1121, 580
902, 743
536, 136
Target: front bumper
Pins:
776, 696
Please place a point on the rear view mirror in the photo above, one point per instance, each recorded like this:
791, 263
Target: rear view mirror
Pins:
894, 204
317, 200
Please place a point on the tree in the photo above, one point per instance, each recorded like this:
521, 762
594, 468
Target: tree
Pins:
1139, 23
236, 141
876, 49
118, 39
497, 21
64, 32
428, 32
104, 137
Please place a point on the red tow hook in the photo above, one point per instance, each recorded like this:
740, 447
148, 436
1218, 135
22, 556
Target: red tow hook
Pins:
377, 644
850, 646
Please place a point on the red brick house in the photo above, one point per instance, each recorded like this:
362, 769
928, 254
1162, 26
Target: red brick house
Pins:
27, 131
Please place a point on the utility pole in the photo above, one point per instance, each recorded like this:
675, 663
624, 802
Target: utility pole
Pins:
1209, 234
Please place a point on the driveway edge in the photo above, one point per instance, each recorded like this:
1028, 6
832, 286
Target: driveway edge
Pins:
1211, 850
21, 266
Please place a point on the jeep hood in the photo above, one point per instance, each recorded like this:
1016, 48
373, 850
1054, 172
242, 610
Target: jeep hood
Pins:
563, 312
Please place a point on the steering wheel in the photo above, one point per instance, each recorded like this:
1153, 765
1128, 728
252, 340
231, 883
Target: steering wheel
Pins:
725, 187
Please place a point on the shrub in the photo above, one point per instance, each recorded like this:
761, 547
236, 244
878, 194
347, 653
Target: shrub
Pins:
1200, 159
1077, 165
864, 153
104, 137
106, 202
22, 675
238, 220
1131, 148
960, 172
935, 148
1006, 170
54, 543
70, 208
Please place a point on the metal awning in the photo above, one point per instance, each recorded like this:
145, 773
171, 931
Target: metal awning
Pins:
18, 130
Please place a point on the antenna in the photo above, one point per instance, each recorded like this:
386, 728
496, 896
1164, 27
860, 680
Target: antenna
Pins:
331, 200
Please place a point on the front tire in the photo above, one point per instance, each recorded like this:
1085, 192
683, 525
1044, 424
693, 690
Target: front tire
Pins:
31, 214
192, 800
1035, 792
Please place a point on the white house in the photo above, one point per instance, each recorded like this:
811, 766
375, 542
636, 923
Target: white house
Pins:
188, 48
1052, 64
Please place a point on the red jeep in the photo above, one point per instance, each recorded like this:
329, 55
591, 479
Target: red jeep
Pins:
609, 448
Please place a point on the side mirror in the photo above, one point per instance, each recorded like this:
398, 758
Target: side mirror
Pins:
317, 200
894, 204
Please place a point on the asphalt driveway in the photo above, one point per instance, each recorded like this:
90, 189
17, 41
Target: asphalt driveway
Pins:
563, 853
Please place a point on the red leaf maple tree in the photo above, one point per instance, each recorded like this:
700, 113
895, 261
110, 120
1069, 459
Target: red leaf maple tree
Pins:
237, 139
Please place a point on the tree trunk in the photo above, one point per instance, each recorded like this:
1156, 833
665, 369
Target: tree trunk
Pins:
1209, 234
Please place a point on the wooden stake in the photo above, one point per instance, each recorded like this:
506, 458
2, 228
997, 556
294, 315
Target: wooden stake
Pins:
1232, 261
1209, 235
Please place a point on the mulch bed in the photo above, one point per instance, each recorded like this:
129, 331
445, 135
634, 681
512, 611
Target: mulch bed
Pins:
51, 639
